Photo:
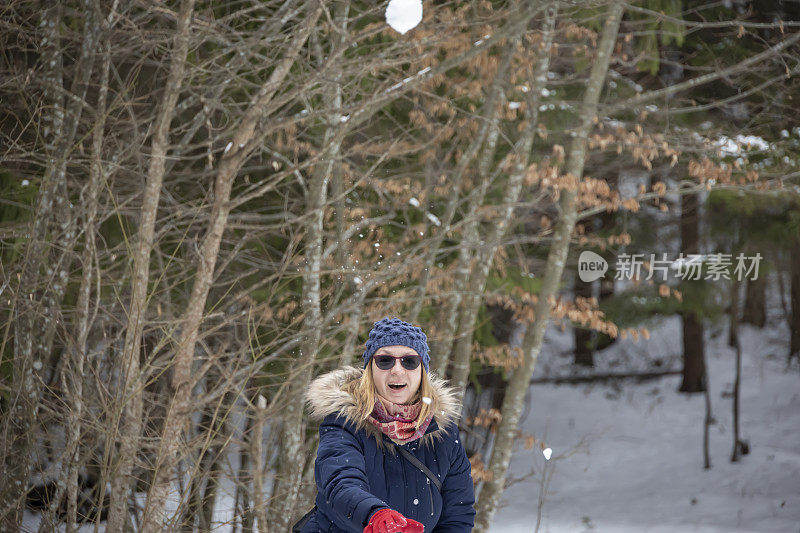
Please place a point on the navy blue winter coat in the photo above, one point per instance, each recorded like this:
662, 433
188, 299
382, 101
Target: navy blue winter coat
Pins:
358, 473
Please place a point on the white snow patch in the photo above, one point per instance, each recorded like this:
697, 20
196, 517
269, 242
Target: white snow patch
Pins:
728, 146
630, 454
753, 141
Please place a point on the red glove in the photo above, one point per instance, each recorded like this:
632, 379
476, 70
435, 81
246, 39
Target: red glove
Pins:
389, 521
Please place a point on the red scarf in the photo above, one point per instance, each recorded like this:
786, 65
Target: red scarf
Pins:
400, 427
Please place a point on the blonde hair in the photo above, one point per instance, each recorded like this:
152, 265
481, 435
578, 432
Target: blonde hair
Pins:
363, 392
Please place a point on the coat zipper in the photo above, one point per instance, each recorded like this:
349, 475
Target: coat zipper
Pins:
430, 492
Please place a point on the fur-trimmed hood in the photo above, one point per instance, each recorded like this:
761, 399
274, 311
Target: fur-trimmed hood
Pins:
328, 395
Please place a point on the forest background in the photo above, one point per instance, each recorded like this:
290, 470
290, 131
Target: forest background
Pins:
206, 204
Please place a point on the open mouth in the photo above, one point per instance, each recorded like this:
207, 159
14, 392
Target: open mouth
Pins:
397, 386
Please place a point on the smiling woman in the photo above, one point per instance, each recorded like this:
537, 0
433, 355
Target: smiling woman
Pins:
397, 373
389, 456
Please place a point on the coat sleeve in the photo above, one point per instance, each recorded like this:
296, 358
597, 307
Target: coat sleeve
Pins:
341, 476
458, 495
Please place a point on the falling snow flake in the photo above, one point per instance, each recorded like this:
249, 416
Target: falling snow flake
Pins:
434, 219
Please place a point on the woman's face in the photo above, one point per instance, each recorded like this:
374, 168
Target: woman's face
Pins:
397, 384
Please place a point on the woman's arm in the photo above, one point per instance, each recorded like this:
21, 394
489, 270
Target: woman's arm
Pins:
341, 476
458, 495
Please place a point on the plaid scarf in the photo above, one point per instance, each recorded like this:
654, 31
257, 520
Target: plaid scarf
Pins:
400, 427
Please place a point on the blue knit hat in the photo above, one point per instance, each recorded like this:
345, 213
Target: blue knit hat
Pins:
394, 332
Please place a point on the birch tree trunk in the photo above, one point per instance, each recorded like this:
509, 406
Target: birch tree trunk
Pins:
485, 255
289, 471
470, 241
243, 480
180, 405
131, 395
43, 273
74, 368
532, 343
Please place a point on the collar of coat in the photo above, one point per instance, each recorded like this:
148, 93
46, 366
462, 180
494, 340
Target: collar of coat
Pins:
328, 394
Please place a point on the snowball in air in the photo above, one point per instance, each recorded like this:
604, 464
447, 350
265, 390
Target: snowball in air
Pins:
547, 452
426, 400
403, 15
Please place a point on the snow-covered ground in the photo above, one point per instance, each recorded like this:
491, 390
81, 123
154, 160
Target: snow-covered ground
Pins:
629, 458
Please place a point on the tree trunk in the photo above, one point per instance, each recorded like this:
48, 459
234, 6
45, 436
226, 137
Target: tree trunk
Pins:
74, 368
131, 394
693, 354
243, 480
733, 329
287, 477
194, 499
37, 308
707, 421
794, 289
485, 255
532, 343
182, 381
199, 507
604, 340
737, 449
450, 314
489, 118
308, 488
755, 307
257, 465
694, 370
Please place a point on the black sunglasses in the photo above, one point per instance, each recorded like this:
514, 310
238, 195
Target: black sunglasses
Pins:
386, 362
